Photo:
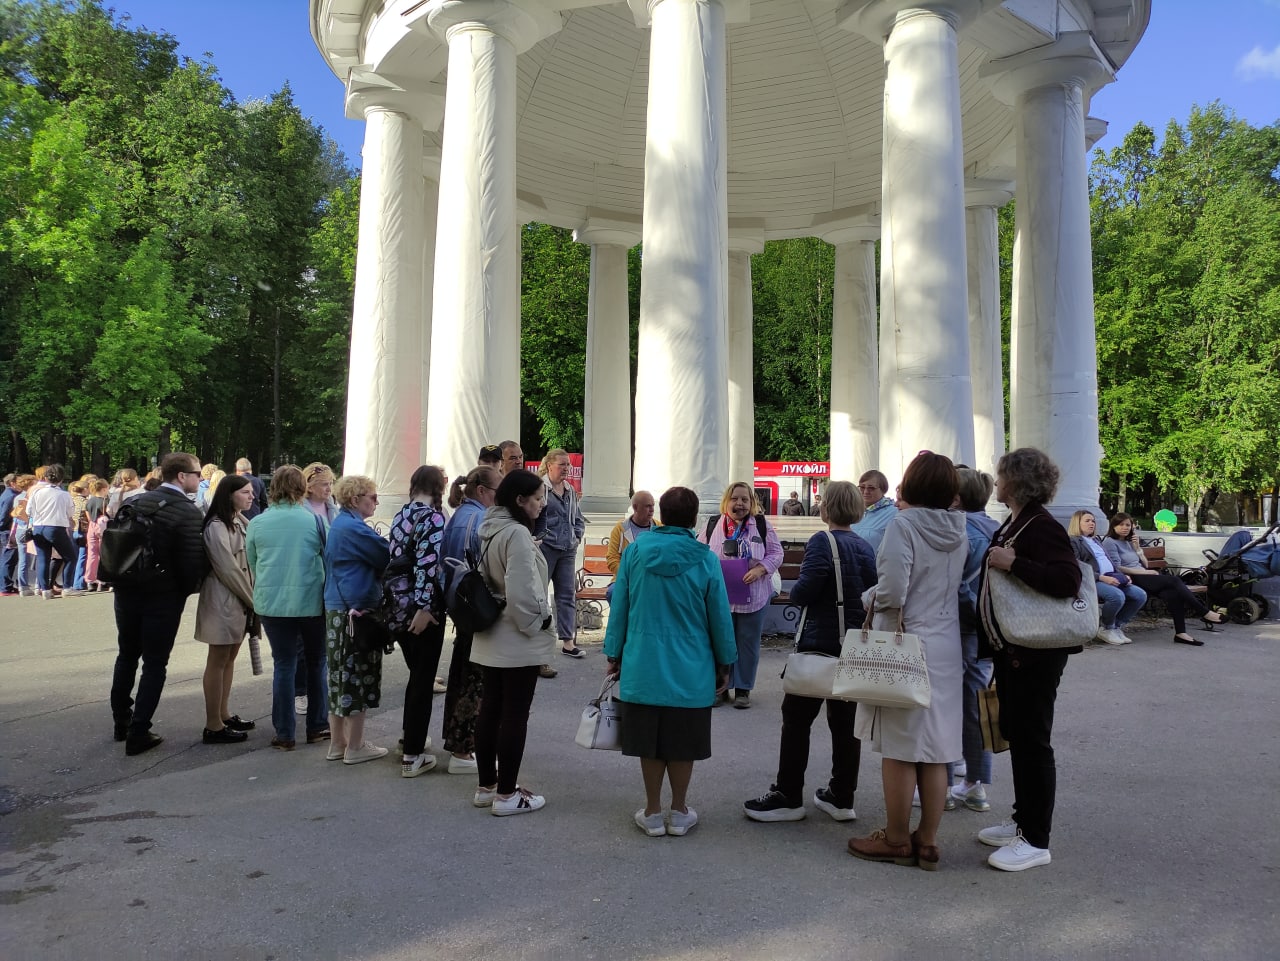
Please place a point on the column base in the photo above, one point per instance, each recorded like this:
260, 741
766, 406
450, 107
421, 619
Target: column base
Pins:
606, 505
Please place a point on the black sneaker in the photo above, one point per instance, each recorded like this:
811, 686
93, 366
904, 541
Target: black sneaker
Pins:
774, 806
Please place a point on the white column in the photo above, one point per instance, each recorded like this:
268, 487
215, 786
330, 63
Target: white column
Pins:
475, 343
1053, 357
985, 357
926, 398
855, 380
606, 463
430, 211
384, 392
741, 399
682, 371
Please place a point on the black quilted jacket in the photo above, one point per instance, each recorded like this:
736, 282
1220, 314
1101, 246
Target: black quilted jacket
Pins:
178, 543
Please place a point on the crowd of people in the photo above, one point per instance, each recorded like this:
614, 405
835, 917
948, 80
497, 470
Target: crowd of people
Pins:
299, 561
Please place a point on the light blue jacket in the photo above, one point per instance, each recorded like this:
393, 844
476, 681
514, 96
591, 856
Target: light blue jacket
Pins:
286, 556
669, 621
354, 559
875, 520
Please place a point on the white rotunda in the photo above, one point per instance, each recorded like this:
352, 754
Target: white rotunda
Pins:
703, 128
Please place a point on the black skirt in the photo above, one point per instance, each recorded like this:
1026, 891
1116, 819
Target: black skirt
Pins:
666, 733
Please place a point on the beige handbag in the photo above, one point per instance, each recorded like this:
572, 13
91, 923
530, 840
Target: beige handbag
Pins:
882, 668
812, 673
1013, 613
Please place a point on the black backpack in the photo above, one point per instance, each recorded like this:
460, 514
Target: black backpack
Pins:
470, 603
128, 557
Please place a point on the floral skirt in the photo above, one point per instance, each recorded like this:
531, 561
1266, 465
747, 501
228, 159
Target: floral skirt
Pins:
355, 678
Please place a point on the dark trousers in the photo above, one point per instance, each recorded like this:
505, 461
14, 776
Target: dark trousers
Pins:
462, 697
798, 715
503, 724
1176, 596
146, 626
1027, 685
422, 657
8, 565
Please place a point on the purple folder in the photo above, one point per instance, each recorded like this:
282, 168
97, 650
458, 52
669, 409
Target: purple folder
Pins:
734, 569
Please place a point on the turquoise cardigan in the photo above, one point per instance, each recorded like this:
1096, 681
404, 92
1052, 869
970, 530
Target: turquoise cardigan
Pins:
286, 555
669, 621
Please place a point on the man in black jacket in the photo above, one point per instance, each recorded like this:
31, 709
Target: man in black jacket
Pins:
147, 616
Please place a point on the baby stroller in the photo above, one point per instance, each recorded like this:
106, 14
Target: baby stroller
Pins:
1229, 582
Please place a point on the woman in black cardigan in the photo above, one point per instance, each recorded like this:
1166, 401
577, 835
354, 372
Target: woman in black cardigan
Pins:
816, 589
1027, 680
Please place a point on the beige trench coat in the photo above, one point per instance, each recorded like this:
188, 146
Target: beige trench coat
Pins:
226, 596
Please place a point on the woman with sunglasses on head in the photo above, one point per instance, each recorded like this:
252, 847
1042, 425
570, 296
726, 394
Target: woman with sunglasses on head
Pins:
466, 680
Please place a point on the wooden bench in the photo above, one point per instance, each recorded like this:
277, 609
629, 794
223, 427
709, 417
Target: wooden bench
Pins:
594, 578
1154, 553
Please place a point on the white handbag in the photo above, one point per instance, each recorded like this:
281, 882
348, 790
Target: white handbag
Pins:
601, 724
812, 673
882, 668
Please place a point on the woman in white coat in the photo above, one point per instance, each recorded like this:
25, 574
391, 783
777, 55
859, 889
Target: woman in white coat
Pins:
513, 649
920, 563
225, 608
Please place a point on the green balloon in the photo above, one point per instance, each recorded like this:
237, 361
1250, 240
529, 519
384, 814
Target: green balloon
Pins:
1166, 521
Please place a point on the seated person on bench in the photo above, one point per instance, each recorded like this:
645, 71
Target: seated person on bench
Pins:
626, 531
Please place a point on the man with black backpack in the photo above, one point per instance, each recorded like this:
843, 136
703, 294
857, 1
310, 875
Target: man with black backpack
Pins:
149, 602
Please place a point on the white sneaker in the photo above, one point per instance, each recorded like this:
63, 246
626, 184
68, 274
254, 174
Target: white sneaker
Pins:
654, 825
73, 591
972, 796
680, 824
999, 835
419, 764
1111, 636
523, 801
1019, 856
49, 595
484, 796
300, 705
362, 753
462, 765
1124, 638
27, 592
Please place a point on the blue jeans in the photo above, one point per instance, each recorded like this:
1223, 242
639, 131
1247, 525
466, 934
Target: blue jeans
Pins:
1261, 561
564, 585
81, 556
48, 539
977, 675
291, 638
746, 630
1117, 606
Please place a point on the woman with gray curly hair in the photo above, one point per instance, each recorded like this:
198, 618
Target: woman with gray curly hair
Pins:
1027, 680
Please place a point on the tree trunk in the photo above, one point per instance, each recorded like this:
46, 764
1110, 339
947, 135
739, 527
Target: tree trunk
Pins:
275, 400
1275, 504
1193, 511
1122, 493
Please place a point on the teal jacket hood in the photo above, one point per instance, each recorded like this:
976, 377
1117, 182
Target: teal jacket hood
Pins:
680, 552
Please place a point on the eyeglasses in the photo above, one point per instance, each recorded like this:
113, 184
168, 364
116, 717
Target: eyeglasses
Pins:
868, 487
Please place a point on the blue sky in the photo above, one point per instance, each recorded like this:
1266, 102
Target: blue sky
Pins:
1188, 56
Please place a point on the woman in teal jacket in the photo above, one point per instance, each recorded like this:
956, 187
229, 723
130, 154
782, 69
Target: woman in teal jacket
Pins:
671, 639
285, 548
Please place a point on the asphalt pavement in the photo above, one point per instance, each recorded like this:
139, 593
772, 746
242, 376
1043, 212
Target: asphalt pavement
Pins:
1164, 846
